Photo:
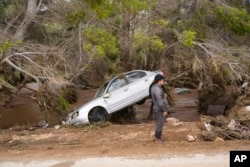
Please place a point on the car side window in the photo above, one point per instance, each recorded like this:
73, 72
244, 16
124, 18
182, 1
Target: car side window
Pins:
133, 76
116, 84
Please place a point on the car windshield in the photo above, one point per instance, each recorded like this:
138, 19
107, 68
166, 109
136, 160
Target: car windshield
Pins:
101, 90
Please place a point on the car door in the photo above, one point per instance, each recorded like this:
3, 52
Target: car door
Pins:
138, 85
117, 95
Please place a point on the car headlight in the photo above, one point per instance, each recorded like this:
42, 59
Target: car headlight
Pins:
75, 114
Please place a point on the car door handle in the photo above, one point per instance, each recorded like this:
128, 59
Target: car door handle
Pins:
125, 89
146, 80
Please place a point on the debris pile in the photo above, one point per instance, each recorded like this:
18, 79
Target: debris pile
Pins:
236, 125
173, 121
226, 128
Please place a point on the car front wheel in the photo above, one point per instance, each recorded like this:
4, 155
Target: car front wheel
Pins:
98, 114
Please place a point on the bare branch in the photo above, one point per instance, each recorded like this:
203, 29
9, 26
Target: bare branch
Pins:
221, 3
223, 56
23, 55
201, 45
10, 24
6, 60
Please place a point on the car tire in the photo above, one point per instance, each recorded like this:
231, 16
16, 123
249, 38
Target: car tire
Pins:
98, 114
141, 102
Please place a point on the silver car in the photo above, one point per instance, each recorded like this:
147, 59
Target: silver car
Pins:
120, 92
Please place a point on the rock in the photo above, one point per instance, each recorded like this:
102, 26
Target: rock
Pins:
191, 138
42, 124
57, 127
24, 91
219, 139
32, 86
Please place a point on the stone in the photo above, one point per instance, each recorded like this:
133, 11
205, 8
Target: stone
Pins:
191, 138
57, 126
32, 86
219, 139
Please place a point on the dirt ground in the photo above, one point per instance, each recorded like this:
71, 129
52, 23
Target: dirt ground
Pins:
116, 140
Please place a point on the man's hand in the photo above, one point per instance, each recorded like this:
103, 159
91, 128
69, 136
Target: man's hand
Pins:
165, 114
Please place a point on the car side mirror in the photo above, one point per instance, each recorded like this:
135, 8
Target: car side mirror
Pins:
106, 95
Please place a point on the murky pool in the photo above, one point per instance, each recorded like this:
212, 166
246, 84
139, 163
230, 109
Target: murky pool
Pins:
20, 114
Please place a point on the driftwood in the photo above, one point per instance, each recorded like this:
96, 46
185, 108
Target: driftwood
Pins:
226, 130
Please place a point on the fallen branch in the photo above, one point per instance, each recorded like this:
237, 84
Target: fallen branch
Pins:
6, 60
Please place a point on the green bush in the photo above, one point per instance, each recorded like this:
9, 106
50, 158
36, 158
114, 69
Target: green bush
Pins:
236, 20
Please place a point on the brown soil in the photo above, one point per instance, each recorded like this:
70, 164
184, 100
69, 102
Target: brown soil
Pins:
115, 139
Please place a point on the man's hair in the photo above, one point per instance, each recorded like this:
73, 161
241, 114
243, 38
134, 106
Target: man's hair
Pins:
158, 77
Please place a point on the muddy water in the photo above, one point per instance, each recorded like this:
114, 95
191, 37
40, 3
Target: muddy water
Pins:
21, 110
21, 114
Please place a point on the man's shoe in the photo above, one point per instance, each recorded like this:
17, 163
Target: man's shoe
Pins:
158, 140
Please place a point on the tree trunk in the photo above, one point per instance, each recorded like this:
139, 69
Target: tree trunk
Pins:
125, 41
30, 15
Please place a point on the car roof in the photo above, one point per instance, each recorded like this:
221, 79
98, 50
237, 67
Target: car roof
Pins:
124, 73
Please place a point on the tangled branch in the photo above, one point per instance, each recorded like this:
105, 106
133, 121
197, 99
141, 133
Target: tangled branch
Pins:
42, 66
224, 57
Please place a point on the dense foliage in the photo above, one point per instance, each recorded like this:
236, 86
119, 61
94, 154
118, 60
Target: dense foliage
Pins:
237, 20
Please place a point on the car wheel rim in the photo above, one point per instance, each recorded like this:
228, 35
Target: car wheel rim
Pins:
98, 115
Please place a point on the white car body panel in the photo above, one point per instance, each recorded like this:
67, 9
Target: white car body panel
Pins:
117, 99
139, 92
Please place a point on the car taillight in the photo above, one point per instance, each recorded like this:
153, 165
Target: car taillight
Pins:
163, 73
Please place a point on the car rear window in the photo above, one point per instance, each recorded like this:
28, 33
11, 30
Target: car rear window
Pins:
133, 76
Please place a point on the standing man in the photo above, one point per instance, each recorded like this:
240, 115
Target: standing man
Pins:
160, 105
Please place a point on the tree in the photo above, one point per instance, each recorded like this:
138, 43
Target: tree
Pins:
129, 12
